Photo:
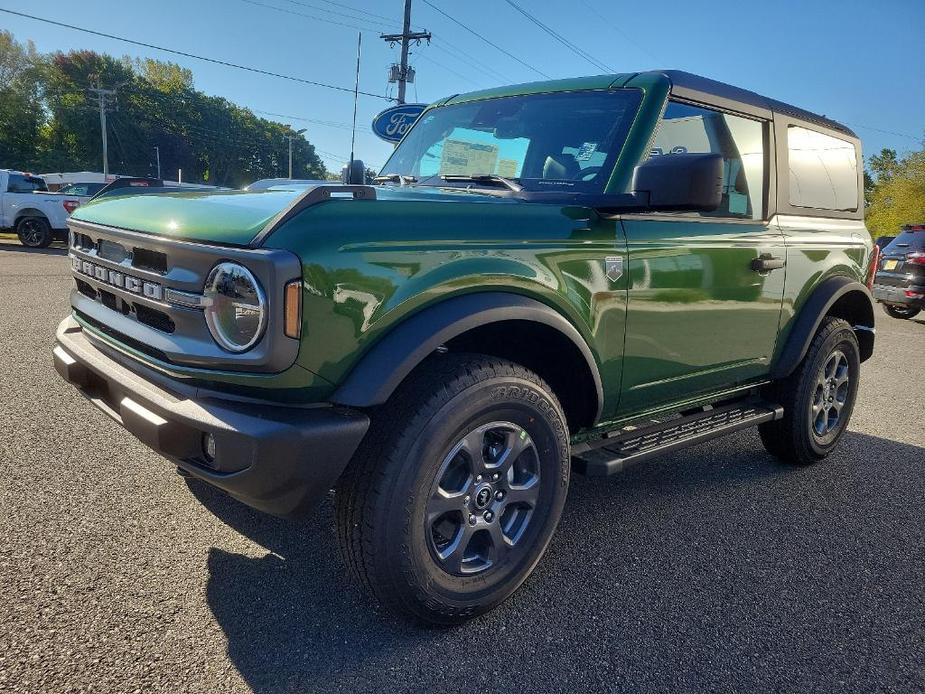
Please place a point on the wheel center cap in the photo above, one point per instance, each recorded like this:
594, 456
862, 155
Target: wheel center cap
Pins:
483, 496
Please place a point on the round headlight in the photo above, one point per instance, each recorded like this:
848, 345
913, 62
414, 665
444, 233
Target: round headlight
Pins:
235, 307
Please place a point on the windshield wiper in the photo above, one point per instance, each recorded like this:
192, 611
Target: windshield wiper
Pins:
400, 179
485, 178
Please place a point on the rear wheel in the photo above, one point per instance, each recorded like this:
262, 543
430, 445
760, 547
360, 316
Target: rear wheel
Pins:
34, 232
818, 398
901, 312
457, 489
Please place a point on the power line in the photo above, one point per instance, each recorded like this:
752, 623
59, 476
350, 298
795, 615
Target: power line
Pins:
379, 22
619, 30
350, 7
315, 121
457, 53
885, 132
192, 55
561, 39
310, 16
482, 38
450, 70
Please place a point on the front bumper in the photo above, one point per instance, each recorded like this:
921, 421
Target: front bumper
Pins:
897, 295
277, 459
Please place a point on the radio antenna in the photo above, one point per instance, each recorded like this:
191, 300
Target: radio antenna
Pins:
356, 94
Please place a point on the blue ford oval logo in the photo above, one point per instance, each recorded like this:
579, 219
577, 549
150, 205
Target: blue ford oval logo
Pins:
393, 123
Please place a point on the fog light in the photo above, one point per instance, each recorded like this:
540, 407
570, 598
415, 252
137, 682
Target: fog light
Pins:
208, 447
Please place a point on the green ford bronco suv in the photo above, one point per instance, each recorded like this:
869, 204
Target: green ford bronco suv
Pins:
569, 275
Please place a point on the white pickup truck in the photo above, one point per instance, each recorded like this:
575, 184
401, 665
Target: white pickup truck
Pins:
26, 206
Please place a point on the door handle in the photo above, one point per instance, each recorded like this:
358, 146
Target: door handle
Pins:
766, 263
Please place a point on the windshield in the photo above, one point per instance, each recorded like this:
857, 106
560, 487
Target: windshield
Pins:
556, 141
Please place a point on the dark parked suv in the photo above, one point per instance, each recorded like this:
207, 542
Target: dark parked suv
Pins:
900, 280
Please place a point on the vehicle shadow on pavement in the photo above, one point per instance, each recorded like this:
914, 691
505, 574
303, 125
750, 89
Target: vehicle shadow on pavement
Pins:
767, 568
293, 615
16, 246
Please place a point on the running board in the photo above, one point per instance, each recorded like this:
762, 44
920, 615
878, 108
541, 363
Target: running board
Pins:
610, 455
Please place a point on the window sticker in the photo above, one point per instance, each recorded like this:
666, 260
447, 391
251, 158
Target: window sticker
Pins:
467, 158
585, 151
507, 168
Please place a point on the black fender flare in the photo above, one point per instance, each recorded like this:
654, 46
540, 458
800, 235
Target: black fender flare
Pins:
832, 291
393, 357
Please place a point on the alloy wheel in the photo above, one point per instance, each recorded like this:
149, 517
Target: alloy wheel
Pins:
483, 499
31, 233
831, 394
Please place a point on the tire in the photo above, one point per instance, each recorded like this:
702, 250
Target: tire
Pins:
818, 398
406, 505
34, 232
901, 312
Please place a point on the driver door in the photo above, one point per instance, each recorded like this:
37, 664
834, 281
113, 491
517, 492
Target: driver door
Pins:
699, 317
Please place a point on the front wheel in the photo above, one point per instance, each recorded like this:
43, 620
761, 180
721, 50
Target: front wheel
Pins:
901, 312
34, 232
818, 398
457, 488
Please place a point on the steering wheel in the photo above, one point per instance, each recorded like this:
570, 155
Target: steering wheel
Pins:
588, 174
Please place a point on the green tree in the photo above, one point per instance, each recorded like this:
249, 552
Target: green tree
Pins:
49, 120
898, 196
21, 113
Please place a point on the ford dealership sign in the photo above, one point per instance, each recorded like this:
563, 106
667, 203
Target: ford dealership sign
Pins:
393, 123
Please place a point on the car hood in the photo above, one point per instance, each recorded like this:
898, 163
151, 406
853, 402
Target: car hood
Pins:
225, 217
232, 217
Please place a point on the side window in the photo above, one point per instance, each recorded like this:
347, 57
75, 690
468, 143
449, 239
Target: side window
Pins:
24, 184
823, 170
740, 140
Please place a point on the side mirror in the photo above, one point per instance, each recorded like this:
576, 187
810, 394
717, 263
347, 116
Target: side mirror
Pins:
680, 182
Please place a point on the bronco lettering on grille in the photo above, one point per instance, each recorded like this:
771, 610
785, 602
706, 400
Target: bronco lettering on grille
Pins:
151, 290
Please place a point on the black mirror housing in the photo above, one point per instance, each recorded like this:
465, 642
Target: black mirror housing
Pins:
680, 182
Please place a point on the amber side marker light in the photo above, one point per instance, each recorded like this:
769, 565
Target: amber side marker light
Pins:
293, 309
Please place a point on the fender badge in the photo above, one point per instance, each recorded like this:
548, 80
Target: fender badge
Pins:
613, 267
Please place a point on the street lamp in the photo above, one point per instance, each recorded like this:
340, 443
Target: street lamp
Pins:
289, 137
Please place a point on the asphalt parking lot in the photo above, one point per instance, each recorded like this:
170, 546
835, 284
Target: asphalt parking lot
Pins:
715, 569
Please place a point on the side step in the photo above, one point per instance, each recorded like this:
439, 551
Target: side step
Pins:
628, 446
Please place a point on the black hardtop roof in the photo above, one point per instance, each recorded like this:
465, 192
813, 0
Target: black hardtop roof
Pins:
687, 80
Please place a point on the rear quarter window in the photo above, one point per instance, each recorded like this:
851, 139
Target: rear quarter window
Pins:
823, 170
25, 184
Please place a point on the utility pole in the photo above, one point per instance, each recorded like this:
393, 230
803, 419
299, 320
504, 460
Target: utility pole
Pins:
102, 95
157, 151
289, 137
402, 73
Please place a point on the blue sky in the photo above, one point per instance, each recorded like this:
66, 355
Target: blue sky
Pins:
857, 61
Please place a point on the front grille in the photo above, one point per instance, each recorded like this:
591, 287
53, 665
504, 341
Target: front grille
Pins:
121, 337
156, 319
128, 283
145, 259
109, 300
85, 288
83, 242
